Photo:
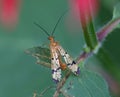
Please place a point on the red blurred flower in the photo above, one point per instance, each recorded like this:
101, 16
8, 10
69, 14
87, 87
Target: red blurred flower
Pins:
9, 12
85, 8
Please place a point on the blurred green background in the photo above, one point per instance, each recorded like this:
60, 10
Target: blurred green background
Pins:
19, 75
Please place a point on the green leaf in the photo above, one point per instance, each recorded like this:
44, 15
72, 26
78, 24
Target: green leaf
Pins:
116, 12
88, 84
42, 55
108, 63
46, 92
111, 25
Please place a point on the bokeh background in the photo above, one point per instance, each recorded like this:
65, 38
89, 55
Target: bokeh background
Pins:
20, 76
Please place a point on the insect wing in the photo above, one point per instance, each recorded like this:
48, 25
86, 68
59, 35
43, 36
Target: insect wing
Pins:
69, 61
55, 66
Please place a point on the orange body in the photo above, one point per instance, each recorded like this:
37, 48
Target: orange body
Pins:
53, 45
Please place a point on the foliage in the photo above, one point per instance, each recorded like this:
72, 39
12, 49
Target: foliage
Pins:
21, 77
88, 83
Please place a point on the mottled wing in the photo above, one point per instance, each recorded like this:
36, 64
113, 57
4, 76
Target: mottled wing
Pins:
55, 66
69, 61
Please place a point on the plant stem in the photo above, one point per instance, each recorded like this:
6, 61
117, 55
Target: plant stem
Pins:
101, 35
60, 84
88, 28
107, 29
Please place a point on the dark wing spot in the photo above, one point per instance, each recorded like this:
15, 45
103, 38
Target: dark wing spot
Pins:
68, 64
55, 80
57, 58
53, 71
58, 68
63, 56
73, 62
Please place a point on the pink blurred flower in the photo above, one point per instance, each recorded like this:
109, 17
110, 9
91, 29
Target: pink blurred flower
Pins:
9, 12
85, 8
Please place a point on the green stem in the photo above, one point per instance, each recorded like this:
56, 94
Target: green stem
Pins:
88, 30
108, 28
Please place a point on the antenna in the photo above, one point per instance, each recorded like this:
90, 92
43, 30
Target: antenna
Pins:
58, 22
42, 29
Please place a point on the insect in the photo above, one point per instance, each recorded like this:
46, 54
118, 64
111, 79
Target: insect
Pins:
57, 53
